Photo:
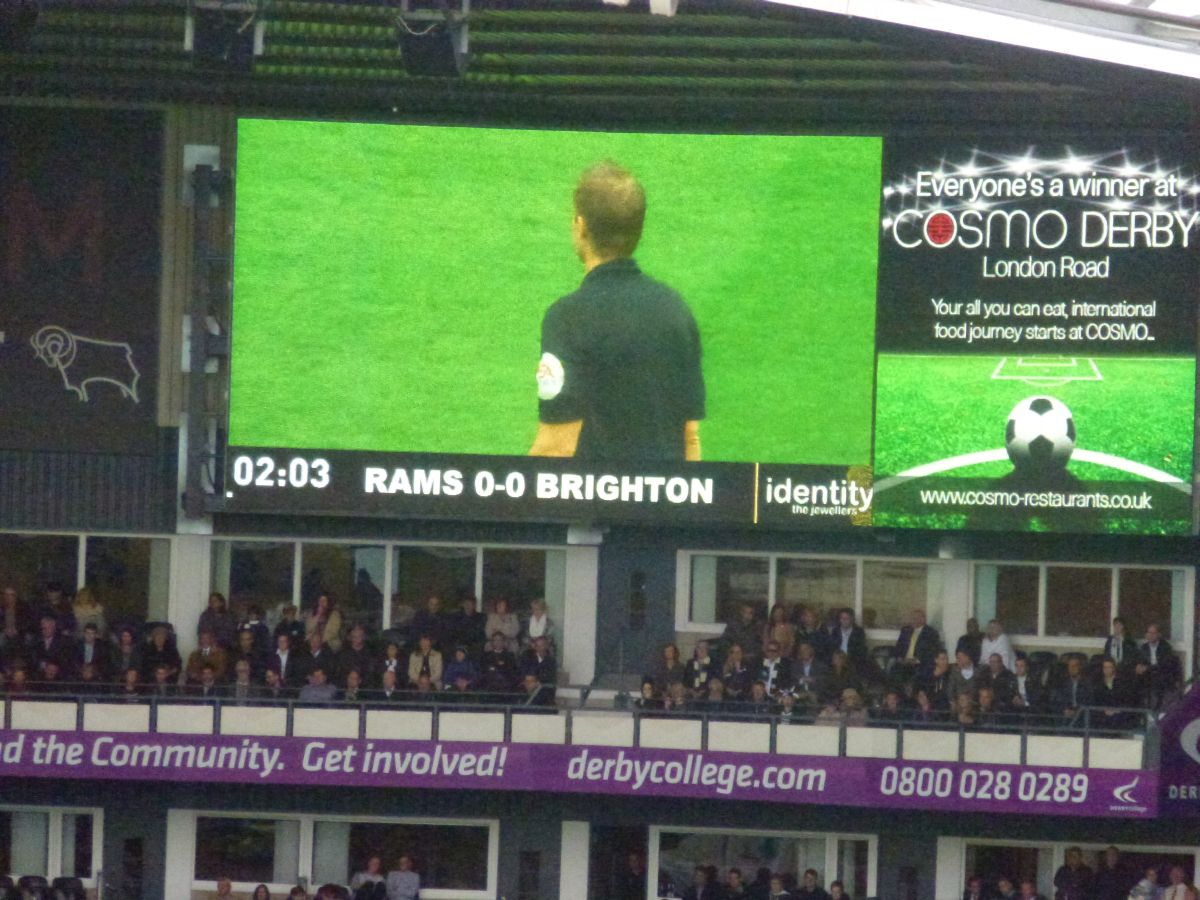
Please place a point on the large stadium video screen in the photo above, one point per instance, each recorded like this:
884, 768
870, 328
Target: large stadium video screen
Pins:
777, 330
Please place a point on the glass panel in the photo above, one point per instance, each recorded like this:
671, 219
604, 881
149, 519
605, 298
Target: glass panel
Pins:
820, 584
331, 853
128, 577
854, 860
1007, 593
254, 573
447, 857
239, 849
29, 843
31, 562
720, 584
1078, 601
77, 845
679, 853
518, 576
892, 589
351, 574
423, 572
1147, 597
993, 862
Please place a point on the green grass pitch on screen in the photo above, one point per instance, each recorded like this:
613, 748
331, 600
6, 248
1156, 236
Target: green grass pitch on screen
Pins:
390, 282
930, 408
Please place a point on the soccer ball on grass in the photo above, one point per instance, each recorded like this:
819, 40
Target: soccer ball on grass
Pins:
1040, 435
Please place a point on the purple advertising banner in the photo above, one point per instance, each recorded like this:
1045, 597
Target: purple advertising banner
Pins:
627, 772
1180, 768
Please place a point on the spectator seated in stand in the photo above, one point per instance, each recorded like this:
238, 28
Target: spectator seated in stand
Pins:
737, 673
1157, 668
94, 651
319, 689
403, 882
539, 624
290, 625
218, 621
971, 642
160, 651
699, 669
538, 661
255, 623
746, 631
648, 699
247, 651
1115, 692
207, 687
677, 699
162, 683
808, 672
996, 641
425, 661
506, 622
1000, 680
324, 619
667, 670
776, 671
536, 693
371, 882
87, 610
500, 672
207, 654
353, 691
759, 702
466, 627
393, 662
461, 669
243, 686
1073, 694
810, 887
916, 648
357, 656
389, 691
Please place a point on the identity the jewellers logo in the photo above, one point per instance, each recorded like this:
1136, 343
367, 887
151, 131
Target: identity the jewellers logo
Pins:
836, 497
1124, 793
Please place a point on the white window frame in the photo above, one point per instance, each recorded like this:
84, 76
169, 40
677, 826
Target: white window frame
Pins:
307, 826
389, 561
1041, 641
683, 585
831, 848
54, 823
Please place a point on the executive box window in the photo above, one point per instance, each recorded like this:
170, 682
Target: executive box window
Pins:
1010, 594
422, 572
721, 584
353, 574
1151, 596
891, 590
1078, 601
1038, 862
821, 584
1058, 601
254, 573
49, 842
882, 592
447, 857
30, 562
456, 859
850, 859
265, 851
1013, 861
129, 575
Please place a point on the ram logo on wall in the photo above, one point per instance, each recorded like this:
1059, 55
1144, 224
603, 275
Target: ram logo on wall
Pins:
80, 211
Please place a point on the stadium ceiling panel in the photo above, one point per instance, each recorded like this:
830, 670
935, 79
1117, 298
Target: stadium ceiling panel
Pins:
1160, 35
833, 63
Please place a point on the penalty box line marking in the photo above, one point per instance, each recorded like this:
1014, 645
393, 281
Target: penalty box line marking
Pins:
1041, 379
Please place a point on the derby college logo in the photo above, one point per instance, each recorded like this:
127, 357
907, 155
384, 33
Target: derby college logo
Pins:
1124, 792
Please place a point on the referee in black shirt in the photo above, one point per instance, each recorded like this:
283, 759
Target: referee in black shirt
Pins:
619, 376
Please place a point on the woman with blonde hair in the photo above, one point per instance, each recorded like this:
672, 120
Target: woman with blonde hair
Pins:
88, 611
325, 619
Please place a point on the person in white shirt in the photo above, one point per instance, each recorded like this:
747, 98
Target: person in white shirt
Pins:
539, 624
1177, 889
996, 641
403, 883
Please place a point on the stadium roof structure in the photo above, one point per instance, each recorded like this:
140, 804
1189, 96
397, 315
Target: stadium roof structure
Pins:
716, 63
1160, 35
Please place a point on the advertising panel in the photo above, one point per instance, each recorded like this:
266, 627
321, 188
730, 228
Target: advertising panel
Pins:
1037, 336
80, 199
876, 783
776, 330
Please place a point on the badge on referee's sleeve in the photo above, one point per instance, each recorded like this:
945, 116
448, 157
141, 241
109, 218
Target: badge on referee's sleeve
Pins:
550, 377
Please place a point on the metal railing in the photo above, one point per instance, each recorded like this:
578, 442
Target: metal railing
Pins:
1087, 724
